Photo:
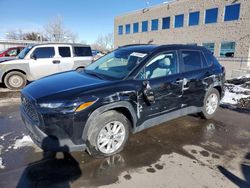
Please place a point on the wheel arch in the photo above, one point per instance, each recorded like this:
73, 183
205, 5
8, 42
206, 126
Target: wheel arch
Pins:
123, 107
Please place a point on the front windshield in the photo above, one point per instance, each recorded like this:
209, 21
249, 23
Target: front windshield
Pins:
24, 52
117, 64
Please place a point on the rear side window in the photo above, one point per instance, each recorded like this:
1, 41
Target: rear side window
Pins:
82, 51
44, 52
191, 60
64, 51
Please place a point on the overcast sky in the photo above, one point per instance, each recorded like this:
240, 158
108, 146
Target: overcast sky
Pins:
87, 18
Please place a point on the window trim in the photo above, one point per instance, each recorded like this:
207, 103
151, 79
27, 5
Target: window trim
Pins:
224, 12
154, 56
168, 17
129, 27
183, 21
136, 23
145, 21
120, 26
205, 15
227, 42
182, 61
70, 49
50, 46
152, 21
188, 20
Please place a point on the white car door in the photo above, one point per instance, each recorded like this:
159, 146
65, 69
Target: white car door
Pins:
43, 62
65, 55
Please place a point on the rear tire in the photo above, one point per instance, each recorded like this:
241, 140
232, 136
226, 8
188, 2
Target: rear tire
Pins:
15, 80
108, 134
211, 103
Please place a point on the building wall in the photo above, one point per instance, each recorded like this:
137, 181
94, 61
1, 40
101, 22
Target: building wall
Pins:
232, 31
5, 44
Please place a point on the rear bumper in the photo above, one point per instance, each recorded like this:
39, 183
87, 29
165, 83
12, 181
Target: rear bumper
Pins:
50, 143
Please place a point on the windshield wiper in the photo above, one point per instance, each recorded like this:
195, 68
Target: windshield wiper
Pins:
93, 74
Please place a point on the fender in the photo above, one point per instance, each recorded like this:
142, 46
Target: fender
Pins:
98, 111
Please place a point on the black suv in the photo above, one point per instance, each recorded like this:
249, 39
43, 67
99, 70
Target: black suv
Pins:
130, 89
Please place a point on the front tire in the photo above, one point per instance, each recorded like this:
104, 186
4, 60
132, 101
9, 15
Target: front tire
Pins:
211, 104
15, 80
108, 134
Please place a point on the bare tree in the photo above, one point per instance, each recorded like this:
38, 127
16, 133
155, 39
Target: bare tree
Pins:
104, 42
34, 36
15, 34
55, 31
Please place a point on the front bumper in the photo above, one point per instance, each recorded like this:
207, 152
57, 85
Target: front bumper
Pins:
50, 143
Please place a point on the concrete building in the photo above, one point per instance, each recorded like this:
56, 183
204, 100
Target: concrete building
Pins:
223, 26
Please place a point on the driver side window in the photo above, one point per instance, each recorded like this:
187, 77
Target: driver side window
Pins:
160, 66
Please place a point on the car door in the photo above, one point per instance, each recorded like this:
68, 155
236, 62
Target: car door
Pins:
162, 89
195, 75
42, 62
65, 58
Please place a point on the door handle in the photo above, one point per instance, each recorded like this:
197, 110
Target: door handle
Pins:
56, 62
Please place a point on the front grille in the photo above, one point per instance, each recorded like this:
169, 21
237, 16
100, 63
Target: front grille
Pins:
30, 109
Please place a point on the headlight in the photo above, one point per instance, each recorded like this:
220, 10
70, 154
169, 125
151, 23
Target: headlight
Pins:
50, 105
67, 107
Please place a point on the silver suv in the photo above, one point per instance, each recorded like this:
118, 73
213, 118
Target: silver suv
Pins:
37, 61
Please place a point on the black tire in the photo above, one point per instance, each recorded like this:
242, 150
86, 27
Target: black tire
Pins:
96, 126
204, 112
79, 69
13, 76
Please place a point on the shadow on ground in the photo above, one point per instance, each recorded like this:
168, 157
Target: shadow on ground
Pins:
245, 168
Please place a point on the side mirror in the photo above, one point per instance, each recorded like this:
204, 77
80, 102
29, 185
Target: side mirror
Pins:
7, 55
148, 92
33, 56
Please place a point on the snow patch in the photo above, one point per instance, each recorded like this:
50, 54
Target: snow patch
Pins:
26, 141
1, 160
232, 97
1, 163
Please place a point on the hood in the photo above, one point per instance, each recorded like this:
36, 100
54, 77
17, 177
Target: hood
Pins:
62, 86
4, 59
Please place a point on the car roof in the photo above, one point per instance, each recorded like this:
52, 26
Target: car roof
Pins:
148, 48
58, 43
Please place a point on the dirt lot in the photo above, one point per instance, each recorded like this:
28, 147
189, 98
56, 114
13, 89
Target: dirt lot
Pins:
186, 152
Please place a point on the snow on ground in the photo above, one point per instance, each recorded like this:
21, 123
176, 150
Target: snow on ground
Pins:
23, 142
237, 92
1, 160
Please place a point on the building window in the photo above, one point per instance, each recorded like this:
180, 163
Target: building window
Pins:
127, 28
211, 16
166, 23
154, 25
135, 27
227, 49
120, 29
194, 18
232, 12
144, 26
209, 46
179, 21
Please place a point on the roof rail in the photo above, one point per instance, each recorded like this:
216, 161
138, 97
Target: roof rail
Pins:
132, 45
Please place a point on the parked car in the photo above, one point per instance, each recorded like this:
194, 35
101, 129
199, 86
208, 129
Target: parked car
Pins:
126, 91
37, 61
11, 52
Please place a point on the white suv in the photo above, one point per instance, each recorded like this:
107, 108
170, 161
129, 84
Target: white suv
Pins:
37, 61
